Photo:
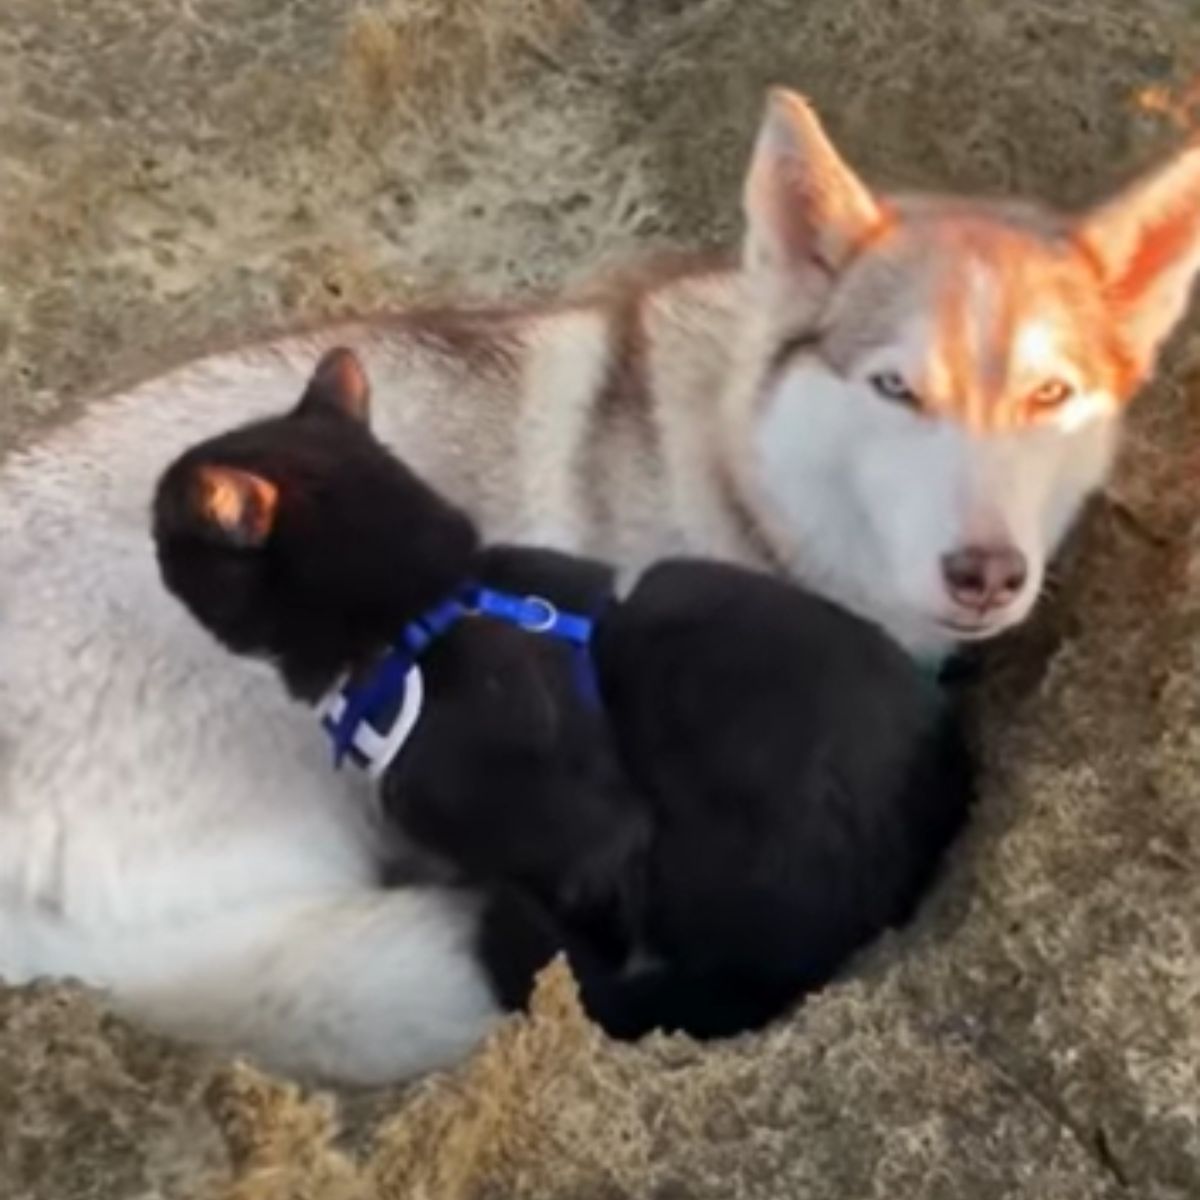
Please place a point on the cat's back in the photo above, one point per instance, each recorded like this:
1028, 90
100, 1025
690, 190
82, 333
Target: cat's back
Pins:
717, 637
748, 699
807, 774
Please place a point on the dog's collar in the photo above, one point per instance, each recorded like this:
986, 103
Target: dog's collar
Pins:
369, 720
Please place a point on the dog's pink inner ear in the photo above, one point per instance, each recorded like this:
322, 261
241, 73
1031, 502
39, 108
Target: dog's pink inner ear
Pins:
339, 383
804, 204
1147, 241
239, 504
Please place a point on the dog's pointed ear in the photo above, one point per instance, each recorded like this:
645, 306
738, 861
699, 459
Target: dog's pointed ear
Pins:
804, 205
1147, 242
233, 505
338, 384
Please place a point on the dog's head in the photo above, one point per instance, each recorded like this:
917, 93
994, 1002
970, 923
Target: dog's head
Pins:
932, 385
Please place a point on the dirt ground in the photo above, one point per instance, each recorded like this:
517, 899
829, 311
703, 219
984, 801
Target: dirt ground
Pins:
175, 170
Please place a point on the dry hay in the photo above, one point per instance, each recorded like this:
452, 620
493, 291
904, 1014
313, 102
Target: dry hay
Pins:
435, 64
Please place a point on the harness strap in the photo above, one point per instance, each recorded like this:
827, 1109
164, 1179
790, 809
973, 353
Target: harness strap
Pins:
396, 684
537, 615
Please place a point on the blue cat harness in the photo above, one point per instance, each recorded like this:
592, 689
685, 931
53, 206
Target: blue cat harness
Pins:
370, 720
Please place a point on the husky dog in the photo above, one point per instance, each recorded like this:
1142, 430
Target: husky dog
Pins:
902, 401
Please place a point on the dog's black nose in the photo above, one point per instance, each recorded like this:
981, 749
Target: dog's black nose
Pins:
984, 577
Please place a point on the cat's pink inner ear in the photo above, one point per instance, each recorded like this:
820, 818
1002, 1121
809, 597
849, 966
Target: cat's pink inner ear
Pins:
239, 504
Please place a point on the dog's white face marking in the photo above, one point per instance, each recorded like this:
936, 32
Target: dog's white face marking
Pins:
955, 418
946, 376
901, 491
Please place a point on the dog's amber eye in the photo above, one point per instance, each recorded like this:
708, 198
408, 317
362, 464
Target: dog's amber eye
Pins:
1052, 394
891, 386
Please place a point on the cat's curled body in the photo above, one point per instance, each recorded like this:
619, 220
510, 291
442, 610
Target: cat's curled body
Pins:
766, 783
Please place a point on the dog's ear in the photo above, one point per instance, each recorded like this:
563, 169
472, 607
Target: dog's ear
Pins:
338, 384
233, 506
1147, 243
805, 207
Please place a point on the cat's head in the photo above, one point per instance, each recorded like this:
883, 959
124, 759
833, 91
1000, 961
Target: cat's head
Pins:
302, 540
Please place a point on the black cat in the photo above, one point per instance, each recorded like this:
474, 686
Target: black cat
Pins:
710, 793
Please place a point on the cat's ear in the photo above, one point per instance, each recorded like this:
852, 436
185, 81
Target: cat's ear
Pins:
237, 507
338, 385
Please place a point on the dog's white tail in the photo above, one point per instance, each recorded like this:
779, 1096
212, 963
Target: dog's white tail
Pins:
361, 988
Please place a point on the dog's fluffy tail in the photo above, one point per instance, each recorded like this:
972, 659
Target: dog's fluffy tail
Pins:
360, 988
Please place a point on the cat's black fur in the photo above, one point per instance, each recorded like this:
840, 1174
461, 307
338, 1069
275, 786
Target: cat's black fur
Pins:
769, 784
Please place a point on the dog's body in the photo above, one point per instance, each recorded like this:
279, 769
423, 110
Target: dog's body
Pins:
725, 773
870, 401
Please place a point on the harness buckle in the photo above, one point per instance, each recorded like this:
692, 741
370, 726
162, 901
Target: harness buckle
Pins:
547, 618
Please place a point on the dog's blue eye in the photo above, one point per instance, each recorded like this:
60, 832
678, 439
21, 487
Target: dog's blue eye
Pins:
891, 386
1054, 393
